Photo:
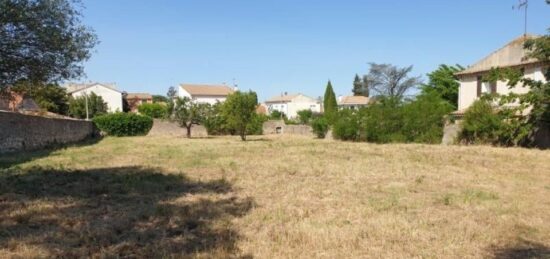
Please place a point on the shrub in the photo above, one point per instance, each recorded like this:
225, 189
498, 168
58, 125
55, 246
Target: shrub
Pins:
481, 124
382, 121
124, 124
304, 116
277, 115
320, 126
346, 126
424, 118
96, 106
154, 110
256, 125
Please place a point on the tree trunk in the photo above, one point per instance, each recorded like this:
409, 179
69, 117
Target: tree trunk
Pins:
189, 130
243, 134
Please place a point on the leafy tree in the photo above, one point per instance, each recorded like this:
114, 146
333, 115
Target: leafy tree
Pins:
214, 122
42, 41
424, 118
305, 116
481, 123
346, 126
239, 110
154, 110
444, 82
360, 88
172, 93
96, 106
391, 81
382, 121
188, 113
320, 127
330, 104
277, 115
160, 99
50, 97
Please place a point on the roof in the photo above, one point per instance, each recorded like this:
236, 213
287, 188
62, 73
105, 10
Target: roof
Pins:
76, 87
214, 90
138, 96
282, 98
512, 54
354, 100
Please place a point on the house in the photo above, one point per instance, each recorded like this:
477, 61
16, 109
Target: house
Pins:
352, 102
512, 55
210, 94
134, 100
290, 104
108, 93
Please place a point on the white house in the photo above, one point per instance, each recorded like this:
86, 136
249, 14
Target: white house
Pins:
352, 102
108, 93
205, 93
511, 55
291, 104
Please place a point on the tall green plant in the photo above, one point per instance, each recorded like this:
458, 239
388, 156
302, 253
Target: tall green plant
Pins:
239, 110
330, 106
96, 106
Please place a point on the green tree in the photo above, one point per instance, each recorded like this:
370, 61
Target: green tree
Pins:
42, 41
172, 93
239, 110
391, 81
424, 118
444, 82
360, 88
160, 99
304, 116
50, 97
96, 106
188, 113
330, 106
154, 110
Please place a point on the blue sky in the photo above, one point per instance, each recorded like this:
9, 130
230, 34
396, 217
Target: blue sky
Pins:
275, 46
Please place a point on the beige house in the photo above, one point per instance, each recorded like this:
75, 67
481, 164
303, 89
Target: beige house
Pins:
290, 104
352, 102
136, 99
511, 55
210, 94
108, 93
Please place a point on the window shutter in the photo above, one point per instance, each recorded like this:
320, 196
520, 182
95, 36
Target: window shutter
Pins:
479, 86
493, 87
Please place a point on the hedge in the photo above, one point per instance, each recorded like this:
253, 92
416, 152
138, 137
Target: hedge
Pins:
124, 124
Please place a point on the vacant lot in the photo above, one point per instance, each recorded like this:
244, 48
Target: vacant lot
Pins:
274, 197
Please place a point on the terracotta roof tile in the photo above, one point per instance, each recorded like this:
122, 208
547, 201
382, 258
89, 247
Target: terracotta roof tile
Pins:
354, 100
213, 90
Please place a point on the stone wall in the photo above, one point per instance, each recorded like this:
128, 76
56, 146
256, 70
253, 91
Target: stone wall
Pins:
168, 128
20, 132
279, 127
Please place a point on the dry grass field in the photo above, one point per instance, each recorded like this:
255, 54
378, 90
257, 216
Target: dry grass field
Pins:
274, 197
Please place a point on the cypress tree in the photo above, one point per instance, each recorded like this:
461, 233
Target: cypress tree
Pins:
330, 104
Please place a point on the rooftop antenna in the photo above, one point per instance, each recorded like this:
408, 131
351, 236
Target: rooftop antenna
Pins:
523, 4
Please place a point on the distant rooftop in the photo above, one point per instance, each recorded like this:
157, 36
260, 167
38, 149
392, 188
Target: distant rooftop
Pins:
203, 89
75, 87
353, 100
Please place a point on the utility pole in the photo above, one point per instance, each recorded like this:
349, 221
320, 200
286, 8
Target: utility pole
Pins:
87, 113
523, 4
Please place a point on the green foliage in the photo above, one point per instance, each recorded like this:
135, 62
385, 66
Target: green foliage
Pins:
277, 115
360, 88
214, 122
304, 116
50, 97
330, 106
239, 110
255, 127
320, 126
444, 83
382, 121
172, 93
124, 124
154, 110
188, 113
160, 99
346, 126
424, 118
96, 106
481, 123
390, 81
42, 41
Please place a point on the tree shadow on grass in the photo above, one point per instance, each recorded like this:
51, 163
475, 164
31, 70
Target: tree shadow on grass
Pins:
522, 250
8, 160
116, 212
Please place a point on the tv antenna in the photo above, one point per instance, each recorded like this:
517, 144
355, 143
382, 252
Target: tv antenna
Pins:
523, 4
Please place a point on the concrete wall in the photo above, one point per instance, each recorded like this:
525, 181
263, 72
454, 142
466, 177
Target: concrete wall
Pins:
19, 132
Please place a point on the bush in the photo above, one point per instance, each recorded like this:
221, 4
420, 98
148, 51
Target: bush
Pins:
154, 110
320, 126
256, 125
124, 124
382, 121
424, 118
304, 116
96, 106
346, 126
277, 115
482, 124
